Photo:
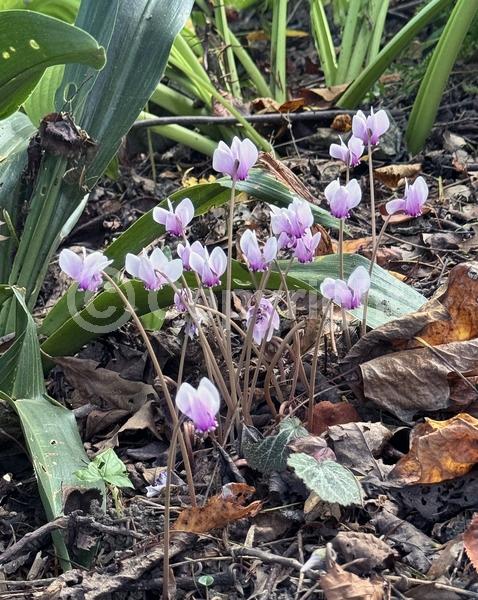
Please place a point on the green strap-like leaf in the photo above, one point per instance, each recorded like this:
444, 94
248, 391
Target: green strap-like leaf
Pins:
29, 43
429, 95
50, 429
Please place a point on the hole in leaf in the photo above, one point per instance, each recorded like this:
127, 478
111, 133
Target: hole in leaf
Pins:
34, 44
5, 54
53, 442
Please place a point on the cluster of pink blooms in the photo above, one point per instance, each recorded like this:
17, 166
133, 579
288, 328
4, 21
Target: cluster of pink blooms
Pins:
291, 228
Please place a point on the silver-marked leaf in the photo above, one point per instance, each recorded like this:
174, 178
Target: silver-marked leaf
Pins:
328, 479
270, 454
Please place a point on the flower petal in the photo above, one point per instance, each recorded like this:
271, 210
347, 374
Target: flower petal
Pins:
359, 281
185, 211
218, 261
70, 263
394, 206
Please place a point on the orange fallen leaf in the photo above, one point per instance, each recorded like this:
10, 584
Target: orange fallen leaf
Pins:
439, 450
394, 175
220, 510
338, 584
342, 123
470, 539
326, 414
461, 301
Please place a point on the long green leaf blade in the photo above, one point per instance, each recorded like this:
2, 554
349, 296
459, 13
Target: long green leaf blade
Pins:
429, 95
364, 82
30, 42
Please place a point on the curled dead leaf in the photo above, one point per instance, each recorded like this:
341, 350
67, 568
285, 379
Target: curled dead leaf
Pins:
327, 414
220, 510
338, 584
432, 352
394, 175
461, 301
342, 123
439, 450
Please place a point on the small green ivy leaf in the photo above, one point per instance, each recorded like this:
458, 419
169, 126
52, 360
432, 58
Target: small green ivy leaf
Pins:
270, 454
108, 467
328, 479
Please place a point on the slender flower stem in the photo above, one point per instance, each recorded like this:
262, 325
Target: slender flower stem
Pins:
250, 394
372, 264
372, 195
213, 367
248, 343
162, 381
167, 508
345, 327
374, 232
228, 353
313, 370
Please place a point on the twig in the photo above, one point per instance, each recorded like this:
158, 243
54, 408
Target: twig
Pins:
311, 115
438, 585
267, 557
33, 540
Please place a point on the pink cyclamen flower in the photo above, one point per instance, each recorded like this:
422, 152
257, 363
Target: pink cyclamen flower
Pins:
201, 405
181, 301
412, 203
208, 267
292, 222
342, 198
184, 252
348, 294
85, 270
155, 270
257, 260
266, 320
305, 247
236, 160
175, 220
349, 154
369, 129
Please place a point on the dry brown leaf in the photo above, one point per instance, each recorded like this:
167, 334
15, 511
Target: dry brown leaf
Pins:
470, 539
265, 105
461, 301
373, 551
338, 584
424, 375
220, 510
394, 175
103, 387
292, 105
277, 168
326, 414
314, 96
429, 377
439, 450
342, 123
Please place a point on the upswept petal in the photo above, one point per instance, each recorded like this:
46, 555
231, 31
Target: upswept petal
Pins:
209, 390
70, 263
359, 281
173, 269
218, 261
394, 206
355, 193
185, 211
270, 249
184, 398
